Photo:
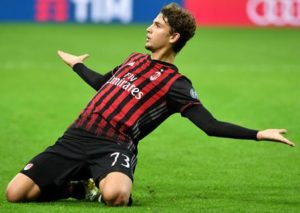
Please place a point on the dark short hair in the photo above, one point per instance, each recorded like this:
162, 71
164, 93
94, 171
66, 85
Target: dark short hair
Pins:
180, 21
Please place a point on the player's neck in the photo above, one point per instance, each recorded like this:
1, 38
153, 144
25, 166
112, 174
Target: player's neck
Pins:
164, 55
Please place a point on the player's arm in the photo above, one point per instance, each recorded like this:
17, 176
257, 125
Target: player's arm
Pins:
94, 79
182, 98
202, 118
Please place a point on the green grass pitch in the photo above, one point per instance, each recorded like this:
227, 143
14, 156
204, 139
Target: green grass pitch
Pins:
249, 77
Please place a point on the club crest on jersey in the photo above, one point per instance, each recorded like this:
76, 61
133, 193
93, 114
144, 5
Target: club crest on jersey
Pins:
155, 76
28, 166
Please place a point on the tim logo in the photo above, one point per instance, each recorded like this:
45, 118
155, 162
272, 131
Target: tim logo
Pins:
84, 10
274, 12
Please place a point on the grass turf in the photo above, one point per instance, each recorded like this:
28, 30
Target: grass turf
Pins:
246, 76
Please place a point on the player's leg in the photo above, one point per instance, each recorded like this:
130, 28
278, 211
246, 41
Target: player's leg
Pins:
47, 177
22, 188
112, 167
116, 189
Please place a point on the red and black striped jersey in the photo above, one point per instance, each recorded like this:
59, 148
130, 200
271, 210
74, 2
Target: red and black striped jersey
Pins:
135, 99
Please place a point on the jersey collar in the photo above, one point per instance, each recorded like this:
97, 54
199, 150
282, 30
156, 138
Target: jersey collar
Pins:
172, 66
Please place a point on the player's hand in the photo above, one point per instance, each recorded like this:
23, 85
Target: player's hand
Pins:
275, 135
70, 59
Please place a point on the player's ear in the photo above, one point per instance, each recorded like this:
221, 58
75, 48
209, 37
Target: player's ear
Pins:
174, 38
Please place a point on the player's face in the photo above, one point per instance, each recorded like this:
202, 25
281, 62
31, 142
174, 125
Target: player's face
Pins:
158, 34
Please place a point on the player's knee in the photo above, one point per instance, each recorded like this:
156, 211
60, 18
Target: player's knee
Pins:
13, 194
21, 188
116, 197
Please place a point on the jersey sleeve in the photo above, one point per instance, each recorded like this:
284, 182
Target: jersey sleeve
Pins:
182, 95
183, 98
92, 78
203, 119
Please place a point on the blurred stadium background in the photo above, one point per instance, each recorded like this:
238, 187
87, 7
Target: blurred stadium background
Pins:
207, 12
244, 62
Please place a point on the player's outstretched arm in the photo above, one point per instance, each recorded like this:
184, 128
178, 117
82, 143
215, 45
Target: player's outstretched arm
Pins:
70, 59
275, 135
94, 79
202, 118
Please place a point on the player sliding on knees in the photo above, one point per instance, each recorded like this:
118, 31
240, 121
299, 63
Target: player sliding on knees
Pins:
131, 101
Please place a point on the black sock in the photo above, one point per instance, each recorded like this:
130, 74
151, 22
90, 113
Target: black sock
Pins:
72, 189
53, 192
130, 201
76, 190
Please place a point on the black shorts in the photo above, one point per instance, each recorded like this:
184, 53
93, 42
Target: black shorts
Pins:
69, 160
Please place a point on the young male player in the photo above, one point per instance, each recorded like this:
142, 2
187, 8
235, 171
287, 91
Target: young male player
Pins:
131, 101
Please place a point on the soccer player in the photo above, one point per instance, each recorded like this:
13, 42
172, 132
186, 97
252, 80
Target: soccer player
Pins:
131, 101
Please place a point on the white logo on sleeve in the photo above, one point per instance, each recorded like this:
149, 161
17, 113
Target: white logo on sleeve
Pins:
193, 94
131, 63
28, 166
